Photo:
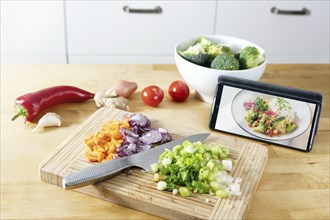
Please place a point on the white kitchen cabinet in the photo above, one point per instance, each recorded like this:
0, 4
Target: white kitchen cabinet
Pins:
119, 32
286, 38
32, 32
108, 31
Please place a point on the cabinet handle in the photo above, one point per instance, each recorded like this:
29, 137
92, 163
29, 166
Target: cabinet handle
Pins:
303, 11
157, 10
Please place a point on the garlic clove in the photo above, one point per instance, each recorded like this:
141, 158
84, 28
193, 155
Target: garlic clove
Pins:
48, 120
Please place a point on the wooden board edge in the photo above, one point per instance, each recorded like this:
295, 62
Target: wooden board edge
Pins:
160, 211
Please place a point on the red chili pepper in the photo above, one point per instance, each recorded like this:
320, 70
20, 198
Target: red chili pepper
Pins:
29, 105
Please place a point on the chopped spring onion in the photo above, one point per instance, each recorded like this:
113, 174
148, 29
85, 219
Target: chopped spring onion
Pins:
156, 177
227, 165
196, 168
161, 185
154, 167
184, 191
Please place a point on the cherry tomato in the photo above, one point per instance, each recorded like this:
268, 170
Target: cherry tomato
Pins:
179, 91
152, 95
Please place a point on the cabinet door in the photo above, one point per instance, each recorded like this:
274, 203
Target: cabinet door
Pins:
103, 32
286, 38
32, 32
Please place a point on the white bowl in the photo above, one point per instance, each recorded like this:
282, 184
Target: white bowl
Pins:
203, 79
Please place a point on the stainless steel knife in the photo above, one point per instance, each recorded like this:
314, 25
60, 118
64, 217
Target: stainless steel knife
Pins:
106, 170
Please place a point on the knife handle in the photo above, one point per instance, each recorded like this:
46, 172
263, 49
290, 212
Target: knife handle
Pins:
96, 173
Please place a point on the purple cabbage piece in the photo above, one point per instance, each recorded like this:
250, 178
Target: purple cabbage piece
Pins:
141, 136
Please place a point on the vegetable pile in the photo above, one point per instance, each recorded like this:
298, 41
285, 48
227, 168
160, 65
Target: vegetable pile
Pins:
196, 167
120, 138
210, 54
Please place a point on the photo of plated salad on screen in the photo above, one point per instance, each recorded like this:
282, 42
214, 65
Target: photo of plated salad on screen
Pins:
273, 118
270, 117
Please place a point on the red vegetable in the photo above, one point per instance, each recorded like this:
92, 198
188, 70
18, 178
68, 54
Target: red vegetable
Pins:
152, 95
29, 105
179, 91
248, 105
270, 113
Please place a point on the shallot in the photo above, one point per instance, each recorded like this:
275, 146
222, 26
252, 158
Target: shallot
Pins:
121, 88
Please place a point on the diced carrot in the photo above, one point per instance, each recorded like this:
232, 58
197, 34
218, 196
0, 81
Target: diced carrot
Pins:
91, 157
112, 148
103, 144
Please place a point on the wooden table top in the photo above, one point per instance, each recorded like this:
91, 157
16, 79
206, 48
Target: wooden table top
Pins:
294, 185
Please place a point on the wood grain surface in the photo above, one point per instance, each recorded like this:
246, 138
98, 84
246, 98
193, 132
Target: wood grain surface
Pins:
294, 185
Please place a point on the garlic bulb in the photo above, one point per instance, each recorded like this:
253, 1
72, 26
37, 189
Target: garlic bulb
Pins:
48, 120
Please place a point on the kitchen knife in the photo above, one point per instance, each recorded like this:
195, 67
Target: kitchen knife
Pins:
101, 172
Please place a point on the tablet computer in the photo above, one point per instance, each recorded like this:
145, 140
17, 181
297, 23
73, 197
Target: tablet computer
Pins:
271, 113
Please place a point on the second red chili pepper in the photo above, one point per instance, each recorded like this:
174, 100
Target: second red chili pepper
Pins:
29, 105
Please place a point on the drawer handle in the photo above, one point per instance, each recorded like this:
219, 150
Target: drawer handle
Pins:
157, 10
303, 11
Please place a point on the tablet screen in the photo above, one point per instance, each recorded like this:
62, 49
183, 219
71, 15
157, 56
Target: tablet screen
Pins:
266, 117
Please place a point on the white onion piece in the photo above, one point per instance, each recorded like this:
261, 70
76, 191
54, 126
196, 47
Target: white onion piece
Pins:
235, 189
227, 165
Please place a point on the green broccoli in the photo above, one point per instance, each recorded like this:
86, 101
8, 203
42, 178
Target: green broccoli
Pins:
225, 62
250, 57
215, 50
196, 54
261, 104
212, 48
204, 42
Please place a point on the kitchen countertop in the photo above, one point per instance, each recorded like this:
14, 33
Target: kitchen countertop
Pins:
294, 185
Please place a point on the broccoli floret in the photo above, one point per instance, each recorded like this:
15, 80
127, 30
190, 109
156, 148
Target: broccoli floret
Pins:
204, 42
261, 104
196, 54
225, 62
215, 50
225, 49
237, 55
250, 57
212, 48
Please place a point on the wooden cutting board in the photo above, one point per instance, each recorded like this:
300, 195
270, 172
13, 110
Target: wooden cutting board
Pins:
138, 190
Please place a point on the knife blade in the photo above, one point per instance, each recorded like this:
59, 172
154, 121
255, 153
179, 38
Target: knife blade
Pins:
101, 172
